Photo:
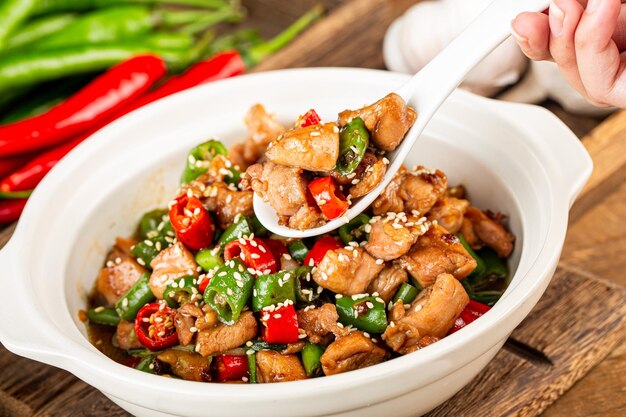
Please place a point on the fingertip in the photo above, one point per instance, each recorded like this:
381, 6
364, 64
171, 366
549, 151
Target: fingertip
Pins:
532, 33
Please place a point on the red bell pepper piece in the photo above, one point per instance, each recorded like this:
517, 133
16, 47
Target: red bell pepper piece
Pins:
191, 222
11, 209
254, 253
231, 367
328, 197
95, 103
309, 118
471, 312
154, 326
280, 325
317, 252
277, 248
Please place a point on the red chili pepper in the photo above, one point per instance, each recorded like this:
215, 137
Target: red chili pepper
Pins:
157, 332
90, 106
328, 197
254, 253
308, 119
471, 312
317, 252
277, 248
9, 165
191, 222
280, 325
11, 209
231, 367
204, 282
131, 362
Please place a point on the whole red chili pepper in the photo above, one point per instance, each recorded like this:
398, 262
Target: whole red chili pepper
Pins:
280, 325
328, 197
9, 165
317, 252
154, 326
11, 209
254, 253
231, 367
96, 102
471, 312
191, 222
308, 119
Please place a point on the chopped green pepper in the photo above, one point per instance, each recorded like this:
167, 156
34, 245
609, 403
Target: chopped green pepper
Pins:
354, 230
236, 230
209, 259
199, 159
136, 297
252, 367
146, 364
305, 292
259, 345
365, 313
103, 315
406, 293
257, 227
311, 355
229, 291
298, 250
181, 291
273, 289
494, 265
480, 264
154, 223
354, 139
148, 249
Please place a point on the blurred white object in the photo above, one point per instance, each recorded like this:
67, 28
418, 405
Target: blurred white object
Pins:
426, 28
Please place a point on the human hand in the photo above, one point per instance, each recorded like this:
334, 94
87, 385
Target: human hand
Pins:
585, 38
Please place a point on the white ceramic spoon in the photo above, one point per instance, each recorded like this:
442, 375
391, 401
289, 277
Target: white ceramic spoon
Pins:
425, 92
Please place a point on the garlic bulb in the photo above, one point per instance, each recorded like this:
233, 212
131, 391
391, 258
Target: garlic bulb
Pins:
426, 28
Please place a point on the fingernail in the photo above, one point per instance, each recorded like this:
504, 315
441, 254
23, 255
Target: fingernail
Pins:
592, 5
556, 17
519, 38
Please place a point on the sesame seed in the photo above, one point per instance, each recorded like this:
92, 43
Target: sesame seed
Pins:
379, 262
250, 351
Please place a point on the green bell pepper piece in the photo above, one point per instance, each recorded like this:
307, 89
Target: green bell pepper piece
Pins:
199, 159
298, 250
354, 138
229, 291
209, 259
181, 290
103, 315
311, 355
406, 293
273, 289
136, 297
365, 313
354, 230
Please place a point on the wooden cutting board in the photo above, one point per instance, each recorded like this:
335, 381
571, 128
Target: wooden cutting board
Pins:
579, 321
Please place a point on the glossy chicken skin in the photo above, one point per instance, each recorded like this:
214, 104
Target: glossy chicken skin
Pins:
392, 237
120, 273
312, 148
388, 120
351, 352
320, 323
449, 212
346, 271
489, 232
276, 367
223, 337
429, 317
171, 263
437, 252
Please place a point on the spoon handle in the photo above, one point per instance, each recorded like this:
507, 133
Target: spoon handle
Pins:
427, 89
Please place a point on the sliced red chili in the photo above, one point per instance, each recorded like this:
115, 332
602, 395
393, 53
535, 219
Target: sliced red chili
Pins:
280, 325
317, 252
231, 367
328, 197
471, 312
254, 253
191, 222
277, 248
154, 326
309, 118
204, 282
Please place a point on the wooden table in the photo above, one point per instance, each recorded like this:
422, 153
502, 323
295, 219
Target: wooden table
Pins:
352, 36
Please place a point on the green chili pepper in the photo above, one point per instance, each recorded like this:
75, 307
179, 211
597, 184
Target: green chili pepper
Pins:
311, 359
298, 250
146, 364
273, 289
103, 315
229, 291
406, 293
195, 24
240, 39
488, 297
152, 223
252, 368
236, 230
199, 158
305, 291
365, 313
494, 265
12, 14
39, 29
137, 296
480, 264
354, 139
355, 229
258, 345
257, 227
56, 6
148, 249
181, 291
209, 260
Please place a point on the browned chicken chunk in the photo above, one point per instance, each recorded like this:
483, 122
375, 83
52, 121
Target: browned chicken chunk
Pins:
227, 203
185, 321
319, 323
273, 366
223, 337
120, 273
283, 187
347, 271
351, 352
313, 148
187, 365
429, 317
449, 212
488, 231
392, 236
388, 120
126, 337
387, 282
372, 176
171, 263
437, 252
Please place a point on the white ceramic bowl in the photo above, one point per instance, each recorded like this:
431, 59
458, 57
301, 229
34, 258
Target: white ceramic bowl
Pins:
517, 159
